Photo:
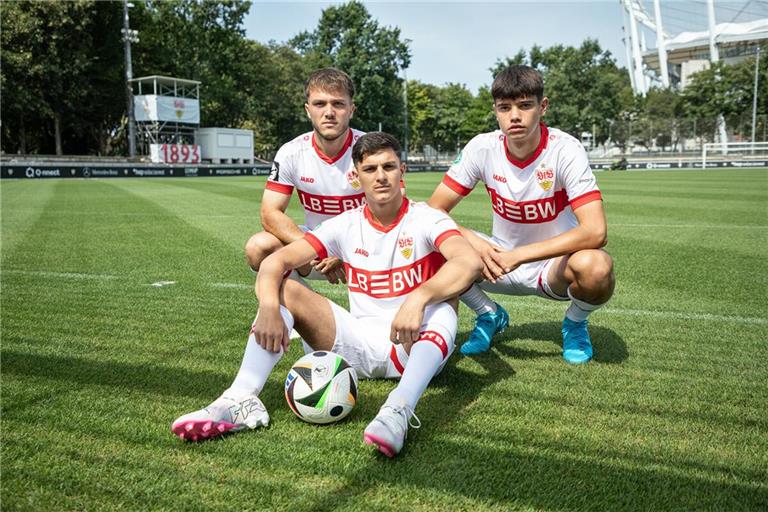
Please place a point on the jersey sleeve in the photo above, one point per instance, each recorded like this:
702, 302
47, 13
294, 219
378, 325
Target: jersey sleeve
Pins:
464, 172
578, 180
325, 238
440, 227
281, 176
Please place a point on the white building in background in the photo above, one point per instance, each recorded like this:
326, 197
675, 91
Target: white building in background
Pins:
689, 52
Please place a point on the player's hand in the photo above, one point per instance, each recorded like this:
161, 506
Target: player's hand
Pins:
407, 322
493, 266
270, 331
509, 261
332, 268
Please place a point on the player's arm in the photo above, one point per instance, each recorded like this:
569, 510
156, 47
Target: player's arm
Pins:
591, 233
445, 198
273, 217
462, 266
269, 328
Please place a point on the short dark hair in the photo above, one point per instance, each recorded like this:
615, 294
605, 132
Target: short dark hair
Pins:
517, 82
330, 79
372, 143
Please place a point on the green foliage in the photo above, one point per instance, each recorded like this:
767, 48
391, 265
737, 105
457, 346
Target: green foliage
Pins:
61, 67
728, 90
348, 38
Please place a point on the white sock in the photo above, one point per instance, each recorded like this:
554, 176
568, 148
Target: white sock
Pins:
579, 310
478, 301
423, 362
257, 363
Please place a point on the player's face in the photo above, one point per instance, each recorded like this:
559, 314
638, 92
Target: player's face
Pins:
330, 112
380, 175
519, 118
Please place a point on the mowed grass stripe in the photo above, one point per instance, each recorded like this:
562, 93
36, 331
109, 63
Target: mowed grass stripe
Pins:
539, 306
668, 416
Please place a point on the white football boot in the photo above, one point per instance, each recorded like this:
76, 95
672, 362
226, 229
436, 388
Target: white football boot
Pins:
388, 430
225, 414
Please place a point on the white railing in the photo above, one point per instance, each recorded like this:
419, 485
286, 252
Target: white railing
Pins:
746, 150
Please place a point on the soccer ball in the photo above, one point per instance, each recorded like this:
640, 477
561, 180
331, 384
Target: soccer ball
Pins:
321, 388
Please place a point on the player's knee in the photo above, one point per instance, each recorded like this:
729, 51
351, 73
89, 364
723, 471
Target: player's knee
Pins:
258, 247
593, 268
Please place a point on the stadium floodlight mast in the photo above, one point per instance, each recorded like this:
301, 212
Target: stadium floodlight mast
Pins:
129, 36
754, 95
405, 117
714, 56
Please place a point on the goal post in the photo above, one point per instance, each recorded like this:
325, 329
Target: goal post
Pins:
741, 150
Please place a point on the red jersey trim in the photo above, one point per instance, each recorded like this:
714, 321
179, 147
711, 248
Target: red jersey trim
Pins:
317, 245
332, 160
435, 338
386, 229
535, 211
541, 147
395, 360
329, 205
455, 186
445, 235
394, 282
279, 187
583, 199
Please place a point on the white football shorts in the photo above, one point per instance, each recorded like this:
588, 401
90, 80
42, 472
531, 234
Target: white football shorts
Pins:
527, 279
364, 342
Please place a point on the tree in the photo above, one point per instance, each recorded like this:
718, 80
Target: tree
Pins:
349, 39
58, 66
727, 90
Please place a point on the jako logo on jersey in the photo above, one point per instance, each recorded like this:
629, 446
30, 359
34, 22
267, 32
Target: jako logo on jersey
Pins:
457, 159
353, 180
396, 282
501, 179
329, 205
528, 212
405, 244
307, 180
362, 252
545, 177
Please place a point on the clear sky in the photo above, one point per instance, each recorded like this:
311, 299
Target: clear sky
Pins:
460, 41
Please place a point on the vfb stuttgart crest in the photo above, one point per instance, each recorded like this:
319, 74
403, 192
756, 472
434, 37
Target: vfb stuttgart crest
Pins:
353, 180
545, 176
405, 244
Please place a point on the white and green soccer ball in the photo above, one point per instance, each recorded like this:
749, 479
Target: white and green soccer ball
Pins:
321, 387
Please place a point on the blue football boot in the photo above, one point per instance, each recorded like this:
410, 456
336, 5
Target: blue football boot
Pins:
488, 325
577, 347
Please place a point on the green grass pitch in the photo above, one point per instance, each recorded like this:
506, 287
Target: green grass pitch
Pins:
672, 414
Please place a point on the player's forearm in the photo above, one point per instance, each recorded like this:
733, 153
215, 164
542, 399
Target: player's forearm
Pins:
269, 280
455, 276
576, 239
474, 240
280, 225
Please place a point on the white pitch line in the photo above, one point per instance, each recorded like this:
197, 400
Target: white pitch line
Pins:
702, 226
675, 315
233, 285
66, 275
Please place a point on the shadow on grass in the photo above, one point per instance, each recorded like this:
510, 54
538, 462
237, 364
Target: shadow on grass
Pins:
608, 346
164, 380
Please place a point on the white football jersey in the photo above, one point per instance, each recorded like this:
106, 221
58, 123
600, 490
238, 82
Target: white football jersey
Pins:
532, 200
326, 186
384, 264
